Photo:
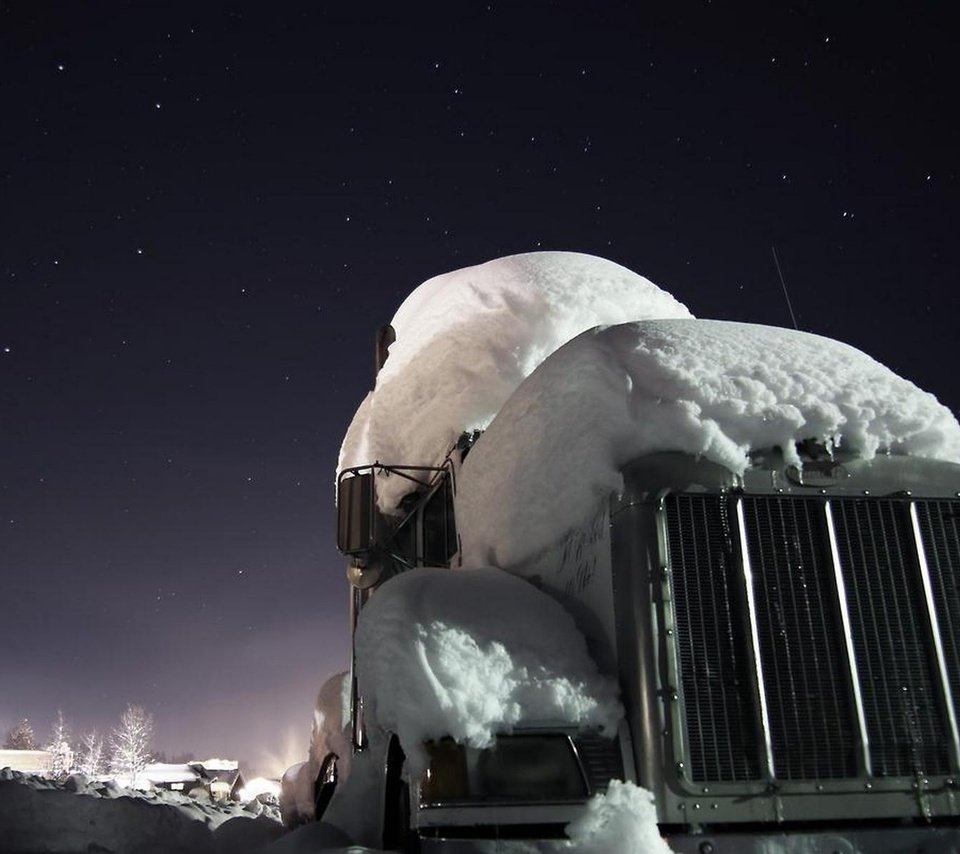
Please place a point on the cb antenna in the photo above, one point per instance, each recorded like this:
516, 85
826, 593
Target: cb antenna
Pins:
783, 285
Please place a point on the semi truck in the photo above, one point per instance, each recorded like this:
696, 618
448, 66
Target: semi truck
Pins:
786, 639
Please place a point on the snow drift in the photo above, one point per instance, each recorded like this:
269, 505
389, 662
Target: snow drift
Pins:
711, 388
471, 653
467, 339
42, 815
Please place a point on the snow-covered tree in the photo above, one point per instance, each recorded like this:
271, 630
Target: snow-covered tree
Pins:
61, 754
130, 743
20, 737
91, 754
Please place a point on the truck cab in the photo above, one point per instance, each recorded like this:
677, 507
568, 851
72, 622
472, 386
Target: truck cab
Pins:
787, 644
755, 530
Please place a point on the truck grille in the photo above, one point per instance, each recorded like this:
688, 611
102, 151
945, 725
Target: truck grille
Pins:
815, 639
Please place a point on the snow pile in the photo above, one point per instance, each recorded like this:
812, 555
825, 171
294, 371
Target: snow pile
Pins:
296, 793
706, 387
261, 788
471, 653
76, 815
467, 339
623, 819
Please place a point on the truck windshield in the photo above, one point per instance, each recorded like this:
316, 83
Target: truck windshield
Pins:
517, 769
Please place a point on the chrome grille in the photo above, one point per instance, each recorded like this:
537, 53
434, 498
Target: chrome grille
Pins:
940, 532
813, 731
800, 569
891, 635
722, 723
600, 759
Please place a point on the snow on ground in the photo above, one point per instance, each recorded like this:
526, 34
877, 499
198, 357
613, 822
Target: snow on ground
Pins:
260, 787
38, 815
471, 653
488, 327
707, 387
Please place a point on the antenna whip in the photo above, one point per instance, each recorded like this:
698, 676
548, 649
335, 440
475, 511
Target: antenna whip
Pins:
783, 285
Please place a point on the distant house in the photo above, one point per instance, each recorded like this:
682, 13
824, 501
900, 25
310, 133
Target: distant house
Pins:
176, 778
219, 778
222, 777
26, 761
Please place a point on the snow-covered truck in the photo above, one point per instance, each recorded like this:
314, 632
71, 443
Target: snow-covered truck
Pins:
756, 531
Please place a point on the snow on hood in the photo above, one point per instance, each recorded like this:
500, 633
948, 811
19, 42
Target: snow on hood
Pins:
707, 387
472, 653
467, 339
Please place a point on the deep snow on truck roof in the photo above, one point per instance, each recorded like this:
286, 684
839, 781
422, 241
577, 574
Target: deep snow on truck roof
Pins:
467, 340
709, 388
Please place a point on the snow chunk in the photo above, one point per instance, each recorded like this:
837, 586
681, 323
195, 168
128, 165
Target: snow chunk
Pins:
467, 339
472, 652
706, 387
623, 819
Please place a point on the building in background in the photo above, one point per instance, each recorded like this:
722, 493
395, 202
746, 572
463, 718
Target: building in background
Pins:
26, 761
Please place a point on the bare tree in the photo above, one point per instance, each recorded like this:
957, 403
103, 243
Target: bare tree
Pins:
61, 754
91, 754
130, 743
20, 737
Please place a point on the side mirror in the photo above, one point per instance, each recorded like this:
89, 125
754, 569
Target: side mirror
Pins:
356, 513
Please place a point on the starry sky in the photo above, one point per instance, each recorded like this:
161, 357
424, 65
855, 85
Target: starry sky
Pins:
206, 210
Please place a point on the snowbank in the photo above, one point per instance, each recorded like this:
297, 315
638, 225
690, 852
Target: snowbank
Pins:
41, 815
706, 387
467, 339
471, 653
260, 787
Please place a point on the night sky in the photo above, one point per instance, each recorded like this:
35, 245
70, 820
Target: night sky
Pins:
206, 211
